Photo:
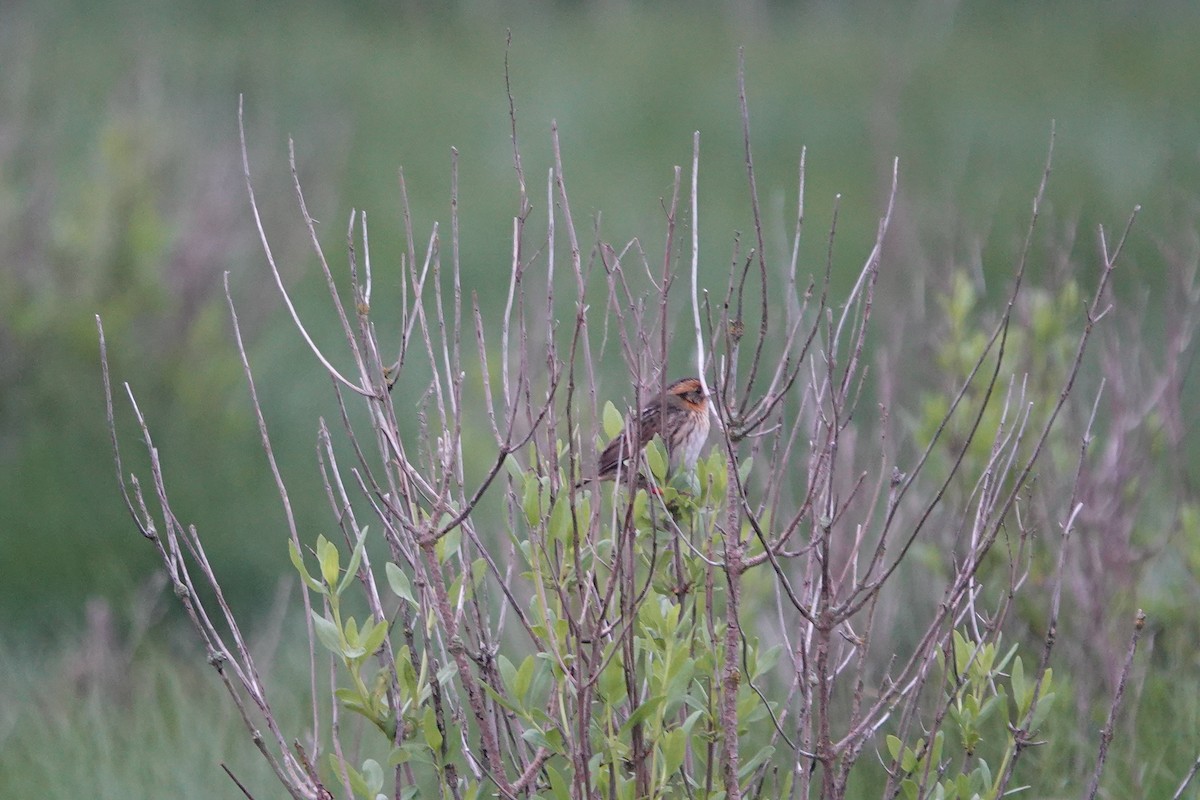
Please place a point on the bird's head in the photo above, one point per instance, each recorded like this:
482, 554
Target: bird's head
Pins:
689, 392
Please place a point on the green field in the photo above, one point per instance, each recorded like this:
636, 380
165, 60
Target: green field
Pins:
121, 194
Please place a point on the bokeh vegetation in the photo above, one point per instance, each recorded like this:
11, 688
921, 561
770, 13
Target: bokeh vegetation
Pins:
121, 194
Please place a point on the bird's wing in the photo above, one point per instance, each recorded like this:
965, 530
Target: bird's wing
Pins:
624, 444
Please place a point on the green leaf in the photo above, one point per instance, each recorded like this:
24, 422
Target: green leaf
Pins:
583, 515
536, 738
641, 712
532, 500
446, 673
999, 701
448, 545
744, 468
508, 674
405, 671
558, 529
985, 773
758, 758
514, 468
656, 457
433, 736
558, 784
327, 556
716, 471
908, 759
611, 685
674, 747
409, 751
962, 654
767, 660
298, 563
357, 784
1017, 680
691, 721
983, 663
327, 631
352, 638
894, 745
372, 776
355, 560
496, 696
399, 583
680, 679
349, 697
641, 505
1007, 657
1045, 703
613, 421
372, 641
524, 679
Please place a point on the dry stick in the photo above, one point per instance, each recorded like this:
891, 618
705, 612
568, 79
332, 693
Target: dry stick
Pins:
262, 237
865, 284
358, 292
512, 116
616, 278
726, 366
331, 285
1094, 314
233, 778
453, 359
791, 296
335, 724
219, 655
293, 533
485, 375
515, 289
1187, 779
507, 448
366, 294
380, 423
892, 692
667, 279
576, 264
406, 320
549, 323
866, 277
986, 505
794, 523
144, 522
1106, 733
344, 513
999, 333
863, 648
448, 625
786, 371
700, 358
762, 263
1074, 508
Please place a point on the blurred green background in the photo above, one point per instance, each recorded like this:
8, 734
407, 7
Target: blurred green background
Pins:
121, 194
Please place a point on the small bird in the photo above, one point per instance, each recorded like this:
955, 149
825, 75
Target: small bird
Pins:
679, 417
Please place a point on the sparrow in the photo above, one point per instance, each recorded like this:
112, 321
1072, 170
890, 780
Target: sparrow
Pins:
679, 417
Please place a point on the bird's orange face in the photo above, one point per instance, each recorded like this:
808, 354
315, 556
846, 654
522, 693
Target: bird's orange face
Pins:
690, 393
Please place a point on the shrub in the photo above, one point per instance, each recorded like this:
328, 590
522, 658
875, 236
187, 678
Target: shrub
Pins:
752, 627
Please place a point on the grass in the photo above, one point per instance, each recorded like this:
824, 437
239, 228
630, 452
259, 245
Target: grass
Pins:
160, 728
